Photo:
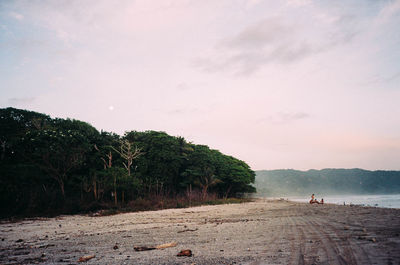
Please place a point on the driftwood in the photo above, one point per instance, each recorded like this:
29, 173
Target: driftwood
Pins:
144, 248
167, 245
185, 253
188, 230
86, 258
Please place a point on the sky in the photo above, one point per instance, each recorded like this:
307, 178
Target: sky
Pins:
296, 84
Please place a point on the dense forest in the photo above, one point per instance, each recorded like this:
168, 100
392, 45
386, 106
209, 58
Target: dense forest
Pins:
52, 165
288, 182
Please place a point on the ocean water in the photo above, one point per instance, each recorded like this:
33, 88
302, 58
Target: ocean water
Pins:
385, 201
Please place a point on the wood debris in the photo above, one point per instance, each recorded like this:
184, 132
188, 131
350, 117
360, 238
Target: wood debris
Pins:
188, 230
143, 248
167, 245
185, 253
86, 258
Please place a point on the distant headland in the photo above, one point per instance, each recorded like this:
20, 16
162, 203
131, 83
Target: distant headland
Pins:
286, 182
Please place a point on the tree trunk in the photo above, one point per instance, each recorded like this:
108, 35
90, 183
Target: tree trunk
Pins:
227, 192
115, 190
81, 192
190, 195
205, 188
61, 183
95, 188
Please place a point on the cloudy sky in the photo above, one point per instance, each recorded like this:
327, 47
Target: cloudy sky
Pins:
279, 84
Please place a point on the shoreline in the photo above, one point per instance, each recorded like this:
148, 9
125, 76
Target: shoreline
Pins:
388, 201
260, 232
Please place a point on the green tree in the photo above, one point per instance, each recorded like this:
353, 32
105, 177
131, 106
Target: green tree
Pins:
43, 160
163, 159
57, 152
201, 169
235, 176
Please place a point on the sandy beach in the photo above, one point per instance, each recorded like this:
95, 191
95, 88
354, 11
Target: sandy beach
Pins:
260, 232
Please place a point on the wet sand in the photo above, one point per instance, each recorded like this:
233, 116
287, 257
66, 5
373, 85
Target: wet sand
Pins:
260, 232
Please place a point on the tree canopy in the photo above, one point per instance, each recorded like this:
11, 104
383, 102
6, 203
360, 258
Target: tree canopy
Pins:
47, 163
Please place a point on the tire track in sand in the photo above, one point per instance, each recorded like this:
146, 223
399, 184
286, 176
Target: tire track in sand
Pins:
357, 252
312, 253
297, 251
276, 239
333, 249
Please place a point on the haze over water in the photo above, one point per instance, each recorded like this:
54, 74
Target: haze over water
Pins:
385, 201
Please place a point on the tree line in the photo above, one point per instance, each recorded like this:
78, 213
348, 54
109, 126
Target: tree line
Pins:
65, 165
286, 182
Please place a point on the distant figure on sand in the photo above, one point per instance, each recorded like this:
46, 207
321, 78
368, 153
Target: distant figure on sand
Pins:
312, 198
322, 201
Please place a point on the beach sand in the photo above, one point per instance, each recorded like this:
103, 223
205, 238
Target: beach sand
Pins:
260, 232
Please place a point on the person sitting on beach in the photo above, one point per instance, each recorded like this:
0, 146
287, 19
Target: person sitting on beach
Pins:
322, 201
312, 198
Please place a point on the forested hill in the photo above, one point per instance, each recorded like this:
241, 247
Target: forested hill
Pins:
286, 182
52, 164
